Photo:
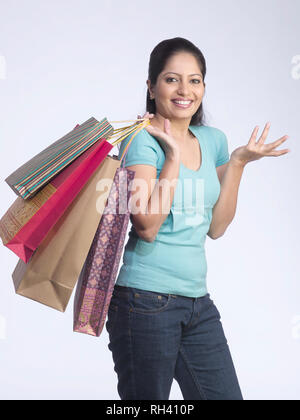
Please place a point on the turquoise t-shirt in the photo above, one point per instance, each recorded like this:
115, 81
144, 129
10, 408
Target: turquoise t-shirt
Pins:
175, 261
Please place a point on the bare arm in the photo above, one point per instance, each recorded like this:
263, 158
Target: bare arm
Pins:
225, 208
152, 199
153, 205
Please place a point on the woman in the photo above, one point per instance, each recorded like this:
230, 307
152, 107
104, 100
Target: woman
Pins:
162, 323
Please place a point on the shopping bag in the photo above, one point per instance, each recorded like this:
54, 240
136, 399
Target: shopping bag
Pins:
39, 170
52, 272
97, 278
27, 222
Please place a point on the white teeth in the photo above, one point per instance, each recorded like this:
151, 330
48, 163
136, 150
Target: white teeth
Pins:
183, 102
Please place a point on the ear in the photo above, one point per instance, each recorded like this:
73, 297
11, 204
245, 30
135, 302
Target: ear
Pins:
149, 86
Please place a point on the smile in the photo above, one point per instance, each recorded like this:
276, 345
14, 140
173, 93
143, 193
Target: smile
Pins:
182, 104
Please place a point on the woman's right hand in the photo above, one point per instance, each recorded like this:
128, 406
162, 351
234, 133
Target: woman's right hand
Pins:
167, 142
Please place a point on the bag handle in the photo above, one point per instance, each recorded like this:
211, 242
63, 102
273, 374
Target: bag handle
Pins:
122, 121
135, 128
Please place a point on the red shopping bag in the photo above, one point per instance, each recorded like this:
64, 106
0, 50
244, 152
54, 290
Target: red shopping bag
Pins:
27, 222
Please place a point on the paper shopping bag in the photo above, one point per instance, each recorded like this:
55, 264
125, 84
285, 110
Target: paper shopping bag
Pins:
39, 170
52, 272
97, 278
27, 222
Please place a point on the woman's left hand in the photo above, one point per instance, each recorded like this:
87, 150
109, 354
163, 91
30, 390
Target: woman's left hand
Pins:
255, 150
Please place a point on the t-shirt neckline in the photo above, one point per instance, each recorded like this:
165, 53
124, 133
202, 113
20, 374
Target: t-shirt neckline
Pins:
202, 147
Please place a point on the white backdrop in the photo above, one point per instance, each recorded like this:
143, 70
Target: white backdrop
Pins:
62, 62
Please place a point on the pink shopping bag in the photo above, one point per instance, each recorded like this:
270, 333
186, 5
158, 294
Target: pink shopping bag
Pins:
27, 222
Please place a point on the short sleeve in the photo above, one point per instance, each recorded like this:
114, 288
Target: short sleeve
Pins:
141, 150
222, 148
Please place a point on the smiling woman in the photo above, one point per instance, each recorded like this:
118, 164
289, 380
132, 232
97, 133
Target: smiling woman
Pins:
177, 65
180, 102
162, 323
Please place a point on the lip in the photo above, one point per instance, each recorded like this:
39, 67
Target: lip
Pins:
181, 99
181, 105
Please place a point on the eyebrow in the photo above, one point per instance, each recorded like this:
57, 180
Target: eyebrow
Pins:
173, 72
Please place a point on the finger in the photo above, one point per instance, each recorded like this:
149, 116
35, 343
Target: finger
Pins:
253, 135
151, 128
167, 126
263, 137
279, 152
276, 143
148, 115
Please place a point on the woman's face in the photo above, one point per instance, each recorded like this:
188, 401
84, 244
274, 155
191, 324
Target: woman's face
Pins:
181, 80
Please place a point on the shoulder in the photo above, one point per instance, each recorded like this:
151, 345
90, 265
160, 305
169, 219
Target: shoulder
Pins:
212, 134
141, 147
140, 139
215, 141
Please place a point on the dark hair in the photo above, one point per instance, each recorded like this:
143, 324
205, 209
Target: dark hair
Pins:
158, 58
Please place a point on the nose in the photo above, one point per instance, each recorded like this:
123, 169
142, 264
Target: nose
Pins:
183, 88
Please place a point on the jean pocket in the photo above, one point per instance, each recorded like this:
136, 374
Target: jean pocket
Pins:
213, 307
111, 317
148, 302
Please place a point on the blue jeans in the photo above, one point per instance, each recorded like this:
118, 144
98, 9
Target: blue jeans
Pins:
155, 337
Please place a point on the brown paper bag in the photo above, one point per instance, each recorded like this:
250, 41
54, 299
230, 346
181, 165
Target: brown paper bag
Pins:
52, 272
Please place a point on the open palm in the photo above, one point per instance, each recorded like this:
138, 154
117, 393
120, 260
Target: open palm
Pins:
255, 150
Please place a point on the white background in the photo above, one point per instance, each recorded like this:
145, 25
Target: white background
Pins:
65, 61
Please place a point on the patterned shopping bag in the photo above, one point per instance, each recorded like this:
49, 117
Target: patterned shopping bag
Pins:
97, 278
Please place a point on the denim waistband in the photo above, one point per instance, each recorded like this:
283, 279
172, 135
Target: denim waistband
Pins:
126, 290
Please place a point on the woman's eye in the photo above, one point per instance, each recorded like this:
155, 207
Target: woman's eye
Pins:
173, 78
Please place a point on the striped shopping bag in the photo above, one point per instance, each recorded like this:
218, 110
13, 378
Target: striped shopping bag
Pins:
39, 170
